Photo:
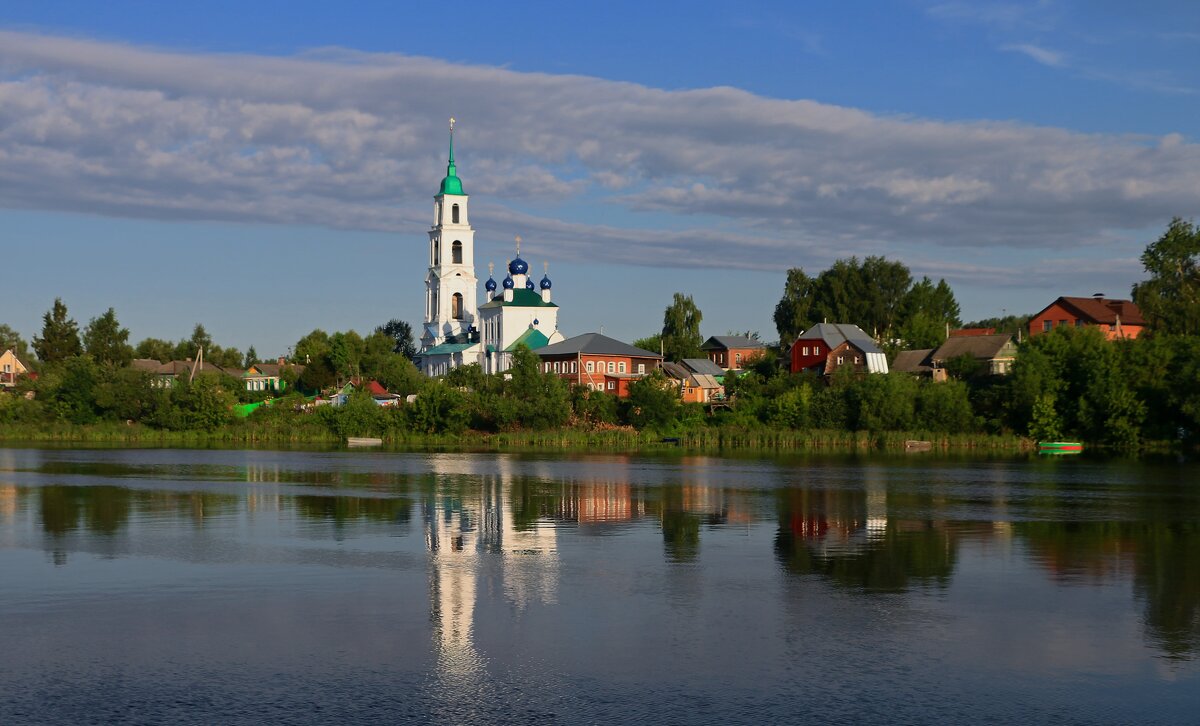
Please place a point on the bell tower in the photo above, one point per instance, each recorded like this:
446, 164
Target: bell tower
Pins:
450, 285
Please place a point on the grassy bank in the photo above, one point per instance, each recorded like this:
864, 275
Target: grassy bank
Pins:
624, 439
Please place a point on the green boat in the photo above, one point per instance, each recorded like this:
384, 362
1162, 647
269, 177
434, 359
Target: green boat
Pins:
1059, 447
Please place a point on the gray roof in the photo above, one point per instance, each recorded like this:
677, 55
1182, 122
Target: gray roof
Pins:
676, 371
913, 361
703, 366
834, 334
725, 342
595, 344
982, 347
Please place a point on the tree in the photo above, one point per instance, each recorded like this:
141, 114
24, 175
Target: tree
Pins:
251, 358
401, 334
60, 335
346, 353
311, 347
681, 329
540, 400
1170, 299
155, 349
652, 343
653, 401
792, 311
12, 340
927, 310
106, 341
200, 339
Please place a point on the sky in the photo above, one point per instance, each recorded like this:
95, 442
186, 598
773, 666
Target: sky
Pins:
268, 168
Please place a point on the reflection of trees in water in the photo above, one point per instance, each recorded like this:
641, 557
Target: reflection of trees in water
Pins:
102, 510
826, 533
1162, 554
347, 509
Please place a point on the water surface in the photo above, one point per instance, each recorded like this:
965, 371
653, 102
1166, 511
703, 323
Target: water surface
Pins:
198, 586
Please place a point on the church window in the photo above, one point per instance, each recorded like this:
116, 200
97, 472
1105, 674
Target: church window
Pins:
454, 214
456, 306
456, 252
621, 367
591, 367
437, 252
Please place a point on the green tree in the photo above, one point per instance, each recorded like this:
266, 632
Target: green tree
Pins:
71, 389
927, 311
1170, 299
792, 312
60, 336
401, 334
155, 349
438, 409
653, 401
187, 349
652, 343
12, 340
681, 329
106, 341
204, 404
251, 358
540, 400
346, 353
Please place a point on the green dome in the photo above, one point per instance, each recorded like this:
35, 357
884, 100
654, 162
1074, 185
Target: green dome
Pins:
451, 184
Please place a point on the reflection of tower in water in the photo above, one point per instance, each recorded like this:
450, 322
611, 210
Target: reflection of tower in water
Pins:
472, 531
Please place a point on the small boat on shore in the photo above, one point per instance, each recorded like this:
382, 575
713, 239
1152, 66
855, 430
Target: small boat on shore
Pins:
362, 441
1059, 447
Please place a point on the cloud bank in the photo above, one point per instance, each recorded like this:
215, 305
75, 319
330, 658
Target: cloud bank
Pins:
356, 141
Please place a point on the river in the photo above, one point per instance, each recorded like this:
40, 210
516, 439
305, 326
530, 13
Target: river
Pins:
230, 586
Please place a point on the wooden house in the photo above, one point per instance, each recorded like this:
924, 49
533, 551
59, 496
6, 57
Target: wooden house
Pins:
1116, 318
826, 347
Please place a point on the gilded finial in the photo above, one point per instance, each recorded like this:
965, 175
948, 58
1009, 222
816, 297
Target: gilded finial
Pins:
491, 268
546, 267
451, 124
518, 245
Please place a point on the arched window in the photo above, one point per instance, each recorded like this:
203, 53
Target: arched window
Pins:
591, 366
621, 366
456, 252
612, 367
433, 306
437, 252
454, 214
456, 310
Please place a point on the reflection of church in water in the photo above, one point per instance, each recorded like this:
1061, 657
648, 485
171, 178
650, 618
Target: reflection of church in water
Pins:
473, 539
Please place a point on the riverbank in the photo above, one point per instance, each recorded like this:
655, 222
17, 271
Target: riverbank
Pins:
618, 439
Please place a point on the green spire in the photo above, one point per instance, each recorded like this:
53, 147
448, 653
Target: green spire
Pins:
452, 184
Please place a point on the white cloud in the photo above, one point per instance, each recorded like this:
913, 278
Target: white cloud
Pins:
354, 140
1045, 56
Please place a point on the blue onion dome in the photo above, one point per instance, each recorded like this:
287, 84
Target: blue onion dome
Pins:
546, 282
528, 284
508, 283
518, 267
490, 285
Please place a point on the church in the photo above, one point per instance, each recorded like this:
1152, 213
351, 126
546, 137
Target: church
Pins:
514, 312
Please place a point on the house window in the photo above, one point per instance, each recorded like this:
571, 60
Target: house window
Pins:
456, 252
1112, 328
1062, 323
1078, 323
1047, 325
456, 306
621, 367
590, 366
573, 364
612, 367
557, 367
816, 350
856, 361
641, 368
612, 385
454, 214
738, 358
804, 350
839, 360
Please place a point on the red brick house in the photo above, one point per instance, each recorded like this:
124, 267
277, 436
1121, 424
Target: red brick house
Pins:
825, 347
1116, 318
598, 362
732, 352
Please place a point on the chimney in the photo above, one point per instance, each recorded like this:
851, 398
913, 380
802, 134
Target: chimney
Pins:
281, 360
1098, 295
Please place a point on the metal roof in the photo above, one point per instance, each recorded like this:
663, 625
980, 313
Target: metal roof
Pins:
725, 342
447, 348
982, 347
595, 344
521, 299
531, 338
913, 361
834, 334
703, 366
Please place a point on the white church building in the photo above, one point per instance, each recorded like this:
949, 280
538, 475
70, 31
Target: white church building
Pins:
457, 331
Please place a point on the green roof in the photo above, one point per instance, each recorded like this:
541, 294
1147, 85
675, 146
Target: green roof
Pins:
531, 339
446, 348
521, 299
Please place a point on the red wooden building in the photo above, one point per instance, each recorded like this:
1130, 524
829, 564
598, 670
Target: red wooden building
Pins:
1116, 318
825, 347
598, 362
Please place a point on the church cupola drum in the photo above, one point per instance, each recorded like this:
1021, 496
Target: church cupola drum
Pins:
450, 285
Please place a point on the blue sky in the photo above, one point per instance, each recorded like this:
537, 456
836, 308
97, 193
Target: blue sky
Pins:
266, 168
